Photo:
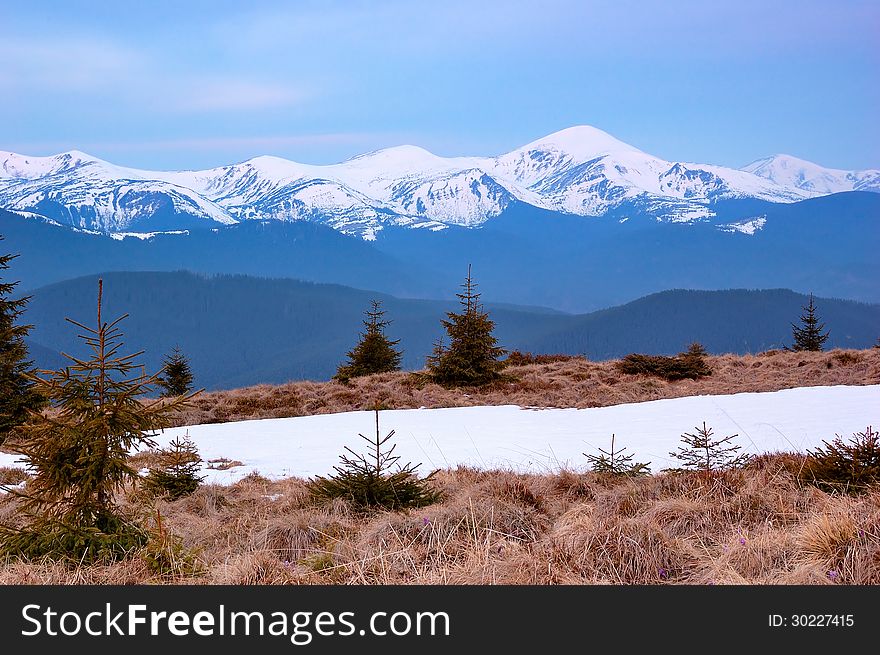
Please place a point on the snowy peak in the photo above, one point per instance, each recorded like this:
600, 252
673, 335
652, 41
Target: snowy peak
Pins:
26, 167
793, 172
580, 170
581, 143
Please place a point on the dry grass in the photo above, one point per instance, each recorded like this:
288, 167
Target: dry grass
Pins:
753, 526
759, 525
571, 382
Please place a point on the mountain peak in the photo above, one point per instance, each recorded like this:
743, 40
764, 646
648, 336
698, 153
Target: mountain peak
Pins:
790, 171
581, 142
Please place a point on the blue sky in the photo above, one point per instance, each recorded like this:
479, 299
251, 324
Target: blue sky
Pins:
198, 84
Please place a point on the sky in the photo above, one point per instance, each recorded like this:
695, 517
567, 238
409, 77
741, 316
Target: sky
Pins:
187, 85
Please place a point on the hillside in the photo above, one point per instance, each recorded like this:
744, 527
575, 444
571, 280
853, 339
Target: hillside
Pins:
240, 331
558, 382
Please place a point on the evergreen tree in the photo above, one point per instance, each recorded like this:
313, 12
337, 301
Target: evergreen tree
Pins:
78, 454
616, 463
472, 357
177, 378
810, 335
374, 352
17, 393
703, 453
376, 479
176, 475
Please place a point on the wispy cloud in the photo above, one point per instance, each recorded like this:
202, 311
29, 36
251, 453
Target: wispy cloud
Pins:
65, 63
200, 95
121, 75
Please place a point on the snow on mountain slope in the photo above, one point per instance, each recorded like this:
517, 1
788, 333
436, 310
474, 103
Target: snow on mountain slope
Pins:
792, 172
85, 192
580, 170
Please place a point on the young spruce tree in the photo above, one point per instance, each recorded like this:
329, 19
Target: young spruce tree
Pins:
17, 393
78, 454
809, 336
615, 463
176, 475
376, 480
702, 452
177, 377
472, 357
374, 352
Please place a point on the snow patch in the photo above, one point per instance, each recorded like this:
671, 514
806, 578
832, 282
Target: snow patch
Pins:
746, 226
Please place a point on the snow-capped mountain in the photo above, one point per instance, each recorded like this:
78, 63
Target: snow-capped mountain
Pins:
580, 170
82, 191
796, 173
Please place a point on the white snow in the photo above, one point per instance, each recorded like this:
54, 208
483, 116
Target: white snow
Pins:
746, 226
797, 173
533, 439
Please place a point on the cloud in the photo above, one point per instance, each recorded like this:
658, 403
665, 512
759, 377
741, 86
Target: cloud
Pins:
65, 63
198, 95
121, 75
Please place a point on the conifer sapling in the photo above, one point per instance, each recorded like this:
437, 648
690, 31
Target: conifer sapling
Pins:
472, 357
374, 352
78, 454
176, 475
177, 377
616, 463
701, 452
810, 335
376, 479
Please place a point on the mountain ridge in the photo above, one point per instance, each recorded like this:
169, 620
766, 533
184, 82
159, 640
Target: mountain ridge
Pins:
581, 171
242, 330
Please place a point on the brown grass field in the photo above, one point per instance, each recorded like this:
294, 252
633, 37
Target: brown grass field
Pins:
571, 382
758, 525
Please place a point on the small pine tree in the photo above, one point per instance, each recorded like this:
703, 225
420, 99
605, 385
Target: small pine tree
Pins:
472, 357
810, 335
78, 455
376, 479
703, 453
616, 463
177, 377
18, 396
374, 352
176, 475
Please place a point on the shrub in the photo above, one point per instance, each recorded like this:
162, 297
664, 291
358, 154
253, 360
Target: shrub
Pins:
517, 358
849, 466
690, 364
376, 479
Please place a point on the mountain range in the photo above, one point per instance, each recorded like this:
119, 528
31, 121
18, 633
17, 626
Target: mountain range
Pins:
240, 330
580, 171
